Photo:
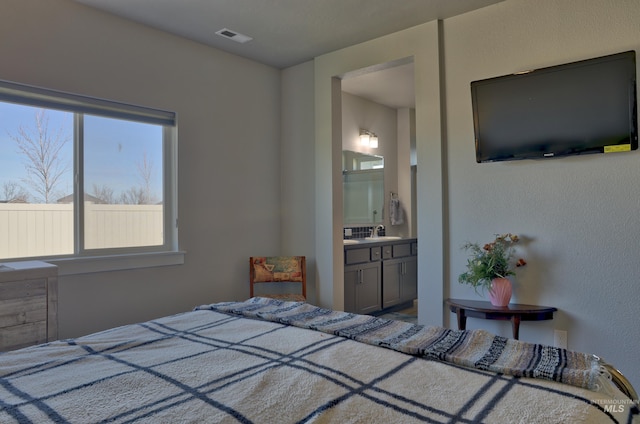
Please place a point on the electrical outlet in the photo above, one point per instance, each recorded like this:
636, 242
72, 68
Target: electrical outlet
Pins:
348, 232
560, 338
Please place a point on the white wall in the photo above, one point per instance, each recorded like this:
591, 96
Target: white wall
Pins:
229, 150
393, 128
406, 128
421, 43
298, 212
580, 213
359, 113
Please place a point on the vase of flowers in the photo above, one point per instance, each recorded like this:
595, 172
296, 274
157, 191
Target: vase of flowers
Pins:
490, 266
500, 292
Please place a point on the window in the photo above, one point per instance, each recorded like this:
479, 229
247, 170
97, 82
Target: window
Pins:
122, 199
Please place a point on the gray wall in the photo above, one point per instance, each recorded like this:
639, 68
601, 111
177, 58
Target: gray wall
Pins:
297, 207
580, 213
229, 150
359, 113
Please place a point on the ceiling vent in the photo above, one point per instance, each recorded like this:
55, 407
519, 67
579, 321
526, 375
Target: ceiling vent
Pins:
232, 35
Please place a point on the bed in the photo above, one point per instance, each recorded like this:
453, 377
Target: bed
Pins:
269, 361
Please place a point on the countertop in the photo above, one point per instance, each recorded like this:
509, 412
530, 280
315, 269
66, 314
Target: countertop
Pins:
373, 241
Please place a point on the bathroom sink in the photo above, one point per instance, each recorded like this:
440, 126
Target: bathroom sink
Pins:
382, 238
350, 241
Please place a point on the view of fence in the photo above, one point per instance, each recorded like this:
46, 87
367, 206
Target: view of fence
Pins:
28, 229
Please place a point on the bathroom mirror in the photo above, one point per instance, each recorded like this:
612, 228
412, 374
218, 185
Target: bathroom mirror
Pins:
362, 188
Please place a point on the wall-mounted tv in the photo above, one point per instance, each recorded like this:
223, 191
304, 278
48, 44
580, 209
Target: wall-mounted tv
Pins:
576, 108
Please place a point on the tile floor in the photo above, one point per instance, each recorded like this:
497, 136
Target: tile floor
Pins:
408, 315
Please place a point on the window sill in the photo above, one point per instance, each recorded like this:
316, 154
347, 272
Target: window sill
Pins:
89, 265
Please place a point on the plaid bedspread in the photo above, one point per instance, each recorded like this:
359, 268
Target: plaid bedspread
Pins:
475, 349
208, 366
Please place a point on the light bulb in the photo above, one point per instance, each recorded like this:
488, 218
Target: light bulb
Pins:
364, 139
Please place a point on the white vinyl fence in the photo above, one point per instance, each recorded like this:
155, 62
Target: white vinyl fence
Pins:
28, 229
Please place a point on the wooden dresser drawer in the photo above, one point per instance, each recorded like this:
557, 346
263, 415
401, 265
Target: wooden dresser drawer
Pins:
28, 304
23, 335
23, 302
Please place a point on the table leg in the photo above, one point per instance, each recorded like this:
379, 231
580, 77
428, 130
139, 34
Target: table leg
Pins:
515, 324
462, 319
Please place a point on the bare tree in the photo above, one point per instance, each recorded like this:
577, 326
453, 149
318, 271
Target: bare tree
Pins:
145, 168
12, 192
134, 196
42, 149
142, 194
105, 194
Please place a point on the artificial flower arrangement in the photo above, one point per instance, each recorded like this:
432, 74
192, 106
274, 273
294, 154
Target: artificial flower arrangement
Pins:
493, 260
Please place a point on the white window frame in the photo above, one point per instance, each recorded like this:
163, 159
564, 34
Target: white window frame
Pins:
98, 260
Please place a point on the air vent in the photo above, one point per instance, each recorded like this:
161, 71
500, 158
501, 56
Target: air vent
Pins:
232, 35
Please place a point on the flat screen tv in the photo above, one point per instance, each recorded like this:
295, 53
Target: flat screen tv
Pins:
576, 108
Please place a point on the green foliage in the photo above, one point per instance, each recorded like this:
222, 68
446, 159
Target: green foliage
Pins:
493, 260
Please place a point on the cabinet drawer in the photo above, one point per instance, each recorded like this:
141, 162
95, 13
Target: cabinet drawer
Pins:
22, 289
23, 311
356, 256
387, 252
19, 336
400, 250
22, 302
376, 253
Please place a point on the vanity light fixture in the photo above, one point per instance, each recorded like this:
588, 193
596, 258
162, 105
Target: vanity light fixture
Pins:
365, 138
368, 139
373, 141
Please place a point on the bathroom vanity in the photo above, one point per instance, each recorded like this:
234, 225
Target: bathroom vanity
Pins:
380, 274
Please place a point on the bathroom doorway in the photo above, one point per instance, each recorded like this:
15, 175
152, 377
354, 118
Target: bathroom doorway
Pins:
389, 87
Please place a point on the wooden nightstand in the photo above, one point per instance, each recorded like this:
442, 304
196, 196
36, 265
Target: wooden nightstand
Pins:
485, 310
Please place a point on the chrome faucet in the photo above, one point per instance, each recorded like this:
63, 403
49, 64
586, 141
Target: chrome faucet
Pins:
374, 231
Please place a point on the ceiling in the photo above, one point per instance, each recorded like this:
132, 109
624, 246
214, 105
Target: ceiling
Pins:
286, 32
392, 86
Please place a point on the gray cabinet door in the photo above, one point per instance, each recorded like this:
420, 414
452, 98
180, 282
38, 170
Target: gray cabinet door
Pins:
391, 279
409, 285
399, 281
362, 284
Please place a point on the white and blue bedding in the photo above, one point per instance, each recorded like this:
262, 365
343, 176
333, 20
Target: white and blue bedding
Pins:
214, 365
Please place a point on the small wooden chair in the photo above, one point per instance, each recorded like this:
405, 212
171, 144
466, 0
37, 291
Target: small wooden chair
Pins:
279, 269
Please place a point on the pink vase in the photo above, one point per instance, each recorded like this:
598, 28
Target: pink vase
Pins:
500, 292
